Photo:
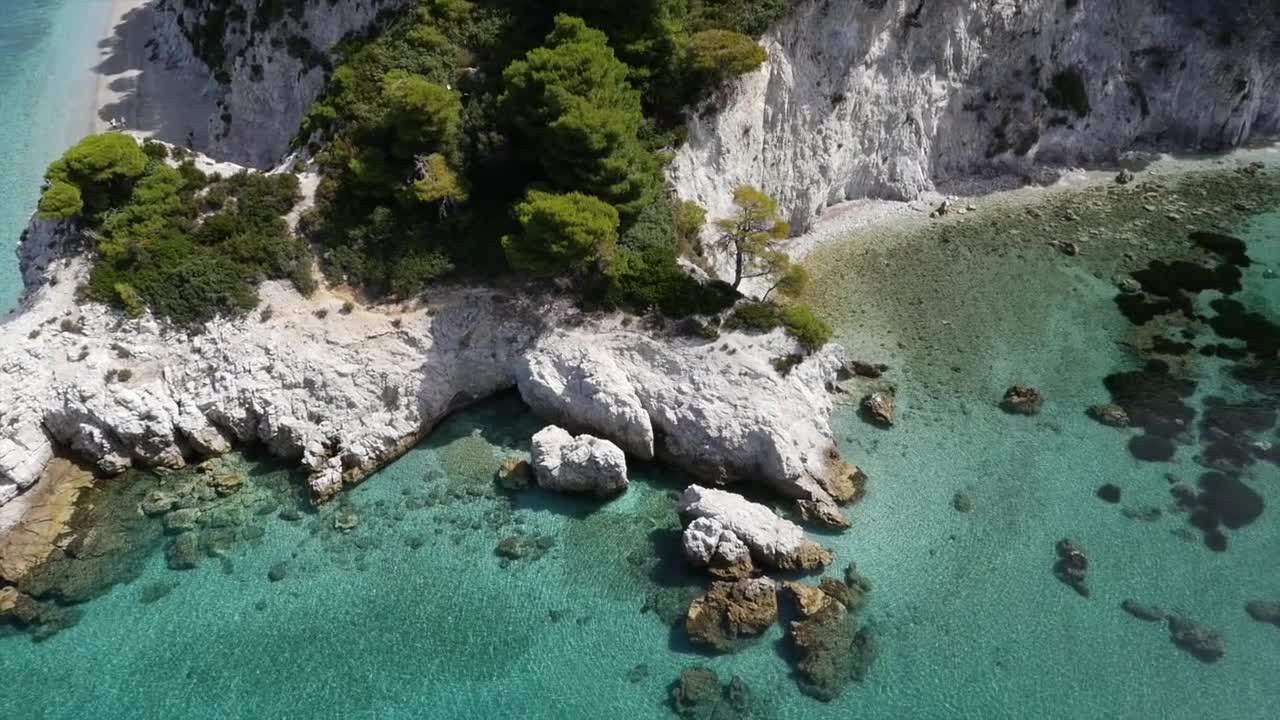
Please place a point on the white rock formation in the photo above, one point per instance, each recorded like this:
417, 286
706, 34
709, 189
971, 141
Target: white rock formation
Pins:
346, 393
885, 98
773, 541
706, 541
262, 93
582, 464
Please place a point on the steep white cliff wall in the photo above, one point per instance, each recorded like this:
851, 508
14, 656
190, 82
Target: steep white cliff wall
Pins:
264, 63
885, 98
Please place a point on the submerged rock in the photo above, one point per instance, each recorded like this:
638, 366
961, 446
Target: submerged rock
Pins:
582, 464
1109, 492
831, 651
1264, 611
184, 552
1203, 643
1022, 400
961, 502
708, 544
1150, 613
879, 408
866, 369
278, 571
773, 541
1072, 566
699, 695
732, 611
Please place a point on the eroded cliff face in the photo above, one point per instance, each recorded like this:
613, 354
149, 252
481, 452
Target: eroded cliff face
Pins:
264, 63
886, 98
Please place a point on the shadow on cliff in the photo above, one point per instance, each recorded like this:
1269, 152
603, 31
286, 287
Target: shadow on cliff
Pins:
145, 94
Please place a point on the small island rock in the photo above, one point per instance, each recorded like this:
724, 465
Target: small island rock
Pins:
1022, 400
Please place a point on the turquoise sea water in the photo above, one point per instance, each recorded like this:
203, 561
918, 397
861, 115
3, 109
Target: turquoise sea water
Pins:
46, 48
411, 614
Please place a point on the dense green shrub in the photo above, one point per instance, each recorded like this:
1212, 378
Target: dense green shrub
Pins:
754, 316
717, 55
561, 233
808, 329
168, 238
641, 281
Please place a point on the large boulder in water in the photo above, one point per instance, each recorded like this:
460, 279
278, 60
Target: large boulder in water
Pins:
1022, 400
699, 695
709, 544
773, 541
730, 612
582, 464
1263, 611
830, 649
1203, 643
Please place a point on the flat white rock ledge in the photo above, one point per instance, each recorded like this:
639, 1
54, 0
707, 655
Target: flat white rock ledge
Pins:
582, 464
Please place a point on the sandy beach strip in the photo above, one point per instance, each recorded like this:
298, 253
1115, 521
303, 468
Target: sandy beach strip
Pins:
142, 94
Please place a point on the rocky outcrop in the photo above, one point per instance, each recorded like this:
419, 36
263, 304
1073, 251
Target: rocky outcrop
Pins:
345, 393
709, 544
830, 649
732, 611
773, 541
887, 99
1022, 400
582, 464
234, 48
698, 694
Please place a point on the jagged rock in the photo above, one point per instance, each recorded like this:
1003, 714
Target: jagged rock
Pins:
225, 483
879, 407
1263, 611
707, 544
732, 611
1022, 400
1149, 613
582, 464
1112, 415
1072, 566
1203, 643
866, 369
1124, 177
773, 541
830, 649
1109, 492
514, 474
1128, 285
43, 521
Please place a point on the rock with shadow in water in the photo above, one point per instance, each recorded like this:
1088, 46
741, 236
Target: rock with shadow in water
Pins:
830, 649
879, 408
1264, 611
581, 464
698, 694
1022, 400
707, 543
1109, 493
1202, 643
1072, 566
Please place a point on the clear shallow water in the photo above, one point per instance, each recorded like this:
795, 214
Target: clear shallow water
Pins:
46, 46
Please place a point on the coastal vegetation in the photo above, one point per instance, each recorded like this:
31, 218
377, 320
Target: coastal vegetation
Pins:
464, 140
170, 238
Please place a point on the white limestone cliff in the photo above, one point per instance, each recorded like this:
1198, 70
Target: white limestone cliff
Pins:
347, 392
262, 69
581, 464
887, 98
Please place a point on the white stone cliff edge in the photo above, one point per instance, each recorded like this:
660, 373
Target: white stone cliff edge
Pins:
346, 393
886, 98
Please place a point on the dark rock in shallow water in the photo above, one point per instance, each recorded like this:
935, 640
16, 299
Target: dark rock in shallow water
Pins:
830, 649
1152, 448
1235, 503
730, 612
1149, 613
290, 514
1144, 513
867, 370
698, 695
1263, 611
1022, 400
279, 571
879, 408
961, 502
1153, 398
1109, 493
1204, 644
1234, 322
184, 551
1231, 249
514, 474
637, 673
1072, 566
181, 520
